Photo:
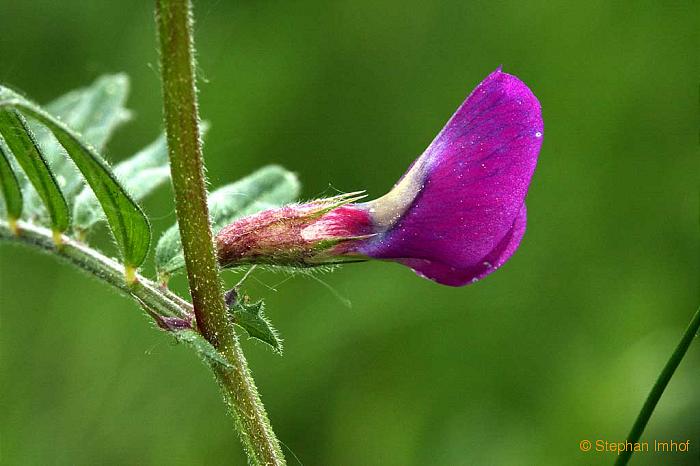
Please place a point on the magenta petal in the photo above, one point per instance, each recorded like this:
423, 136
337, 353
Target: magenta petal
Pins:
453, 276
470, 186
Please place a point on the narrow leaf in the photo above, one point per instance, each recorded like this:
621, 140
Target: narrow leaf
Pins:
22, 144
9, 185
269, 187
127, 221
201, 346
140, 175
93, 112
251, 317
96, 111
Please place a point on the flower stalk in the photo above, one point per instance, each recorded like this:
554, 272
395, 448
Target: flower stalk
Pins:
174, 25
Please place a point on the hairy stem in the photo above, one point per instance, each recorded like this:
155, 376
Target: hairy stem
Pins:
143, 290
659, 386
174, 24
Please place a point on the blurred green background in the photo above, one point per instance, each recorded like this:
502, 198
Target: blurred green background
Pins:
559, 346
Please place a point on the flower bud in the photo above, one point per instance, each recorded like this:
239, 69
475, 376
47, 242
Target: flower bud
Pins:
297, 235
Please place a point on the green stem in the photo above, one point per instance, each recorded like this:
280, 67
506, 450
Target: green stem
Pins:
658, 389
161, 300
174, 24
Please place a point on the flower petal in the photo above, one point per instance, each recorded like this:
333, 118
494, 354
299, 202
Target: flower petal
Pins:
452, 276
458, 203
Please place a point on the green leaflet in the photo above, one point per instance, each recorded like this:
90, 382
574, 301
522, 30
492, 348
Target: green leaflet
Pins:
9, 185
251, 317
93, 112
127, 222
140, 175
269, 187
21, 143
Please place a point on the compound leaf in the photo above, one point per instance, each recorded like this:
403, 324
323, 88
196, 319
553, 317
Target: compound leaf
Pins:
127, 221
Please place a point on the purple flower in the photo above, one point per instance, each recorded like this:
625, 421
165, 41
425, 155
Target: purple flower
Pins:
455, 216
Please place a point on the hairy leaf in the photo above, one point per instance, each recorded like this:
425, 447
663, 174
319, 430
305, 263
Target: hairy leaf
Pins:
94, 112
9, 185
22, 144
269, 187
251, 317
140, 175
127, 221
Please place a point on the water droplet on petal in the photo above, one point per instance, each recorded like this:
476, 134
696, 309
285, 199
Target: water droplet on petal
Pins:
538, 134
